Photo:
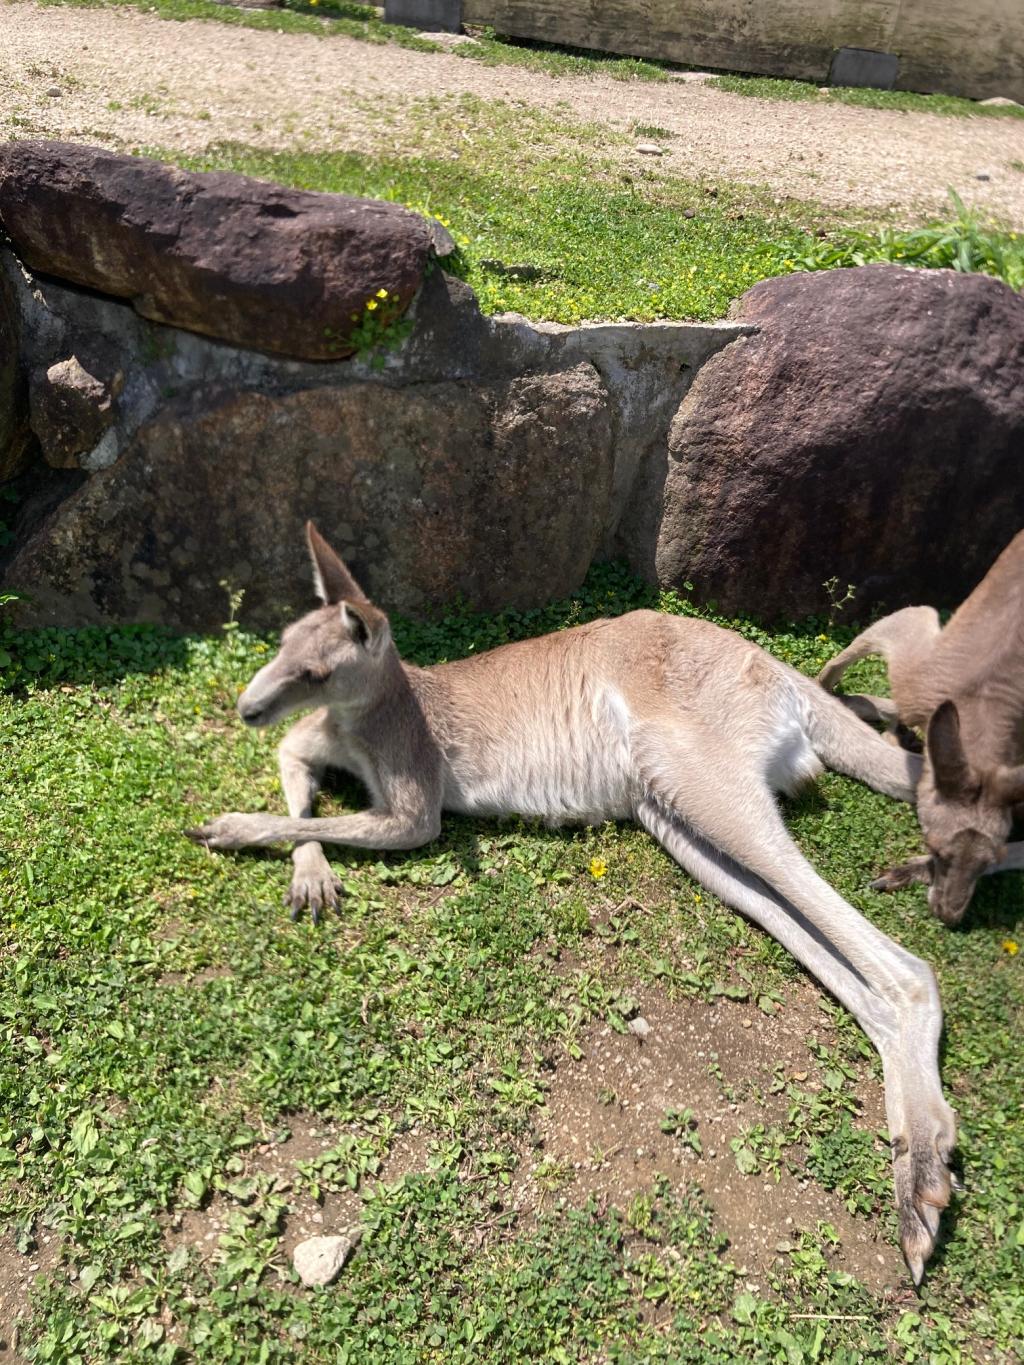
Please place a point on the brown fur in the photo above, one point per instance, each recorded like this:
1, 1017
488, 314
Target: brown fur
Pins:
964, 686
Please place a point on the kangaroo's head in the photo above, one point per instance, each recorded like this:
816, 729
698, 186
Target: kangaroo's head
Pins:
338, 655
966, 813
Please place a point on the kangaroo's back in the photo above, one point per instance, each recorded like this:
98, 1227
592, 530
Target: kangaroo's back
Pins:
984, 639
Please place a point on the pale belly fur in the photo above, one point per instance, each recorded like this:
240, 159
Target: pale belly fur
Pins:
572, 768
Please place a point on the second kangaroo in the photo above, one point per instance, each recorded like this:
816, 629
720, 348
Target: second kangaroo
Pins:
964, 686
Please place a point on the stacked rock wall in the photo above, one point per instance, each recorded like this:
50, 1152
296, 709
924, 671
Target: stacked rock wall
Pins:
864, 424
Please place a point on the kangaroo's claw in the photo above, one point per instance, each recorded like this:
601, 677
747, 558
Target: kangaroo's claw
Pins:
905, 874
315, 889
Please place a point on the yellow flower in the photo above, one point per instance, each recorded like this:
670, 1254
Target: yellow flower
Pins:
823, 637
1009, 946
371, 304
598, 868
382, 293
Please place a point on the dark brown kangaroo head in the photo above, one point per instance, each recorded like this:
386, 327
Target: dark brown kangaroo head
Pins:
337, 655
966, 813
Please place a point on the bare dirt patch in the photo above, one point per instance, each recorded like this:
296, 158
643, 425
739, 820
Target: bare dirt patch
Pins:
18, 1274
600, 1135
125, 78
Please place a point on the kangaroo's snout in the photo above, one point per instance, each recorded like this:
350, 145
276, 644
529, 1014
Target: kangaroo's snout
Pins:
258, 703
252, 712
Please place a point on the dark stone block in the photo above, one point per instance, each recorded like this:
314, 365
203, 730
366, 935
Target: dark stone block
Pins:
860, 66
430, 16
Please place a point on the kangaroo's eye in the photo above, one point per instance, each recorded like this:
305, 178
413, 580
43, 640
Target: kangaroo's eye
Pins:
313, 679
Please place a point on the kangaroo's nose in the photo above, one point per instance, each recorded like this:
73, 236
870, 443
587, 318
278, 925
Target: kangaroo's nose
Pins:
251, 712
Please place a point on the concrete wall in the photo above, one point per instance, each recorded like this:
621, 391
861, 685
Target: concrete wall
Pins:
962, 47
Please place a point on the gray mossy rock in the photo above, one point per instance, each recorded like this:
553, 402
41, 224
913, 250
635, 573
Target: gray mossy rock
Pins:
319, 1260
871, 431
283, 271
71, 410
498, 492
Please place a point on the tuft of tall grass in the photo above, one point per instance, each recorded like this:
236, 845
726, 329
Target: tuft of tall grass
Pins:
966, 243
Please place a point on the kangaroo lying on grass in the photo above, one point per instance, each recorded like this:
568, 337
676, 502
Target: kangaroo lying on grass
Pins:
673, 722
965, 687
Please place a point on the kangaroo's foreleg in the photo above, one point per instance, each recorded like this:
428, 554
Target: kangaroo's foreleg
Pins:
301, 760
921, 870
901, 639
719, 820
372, 829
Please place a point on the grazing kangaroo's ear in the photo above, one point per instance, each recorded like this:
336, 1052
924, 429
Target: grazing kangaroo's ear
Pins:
1007, 785
368, 626
953, 775
330, 577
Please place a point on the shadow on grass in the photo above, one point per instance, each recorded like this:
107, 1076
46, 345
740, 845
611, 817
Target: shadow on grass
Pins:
97, 655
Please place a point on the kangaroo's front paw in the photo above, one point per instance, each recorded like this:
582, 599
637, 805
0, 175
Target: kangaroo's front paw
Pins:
226, 831
906, 874
317, 888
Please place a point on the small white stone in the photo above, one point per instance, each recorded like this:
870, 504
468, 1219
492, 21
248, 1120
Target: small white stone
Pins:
320, 1259
639, 1027
650, 149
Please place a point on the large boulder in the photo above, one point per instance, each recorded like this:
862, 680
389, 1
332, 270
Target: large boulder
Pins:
871, 431
274, 269
495, 492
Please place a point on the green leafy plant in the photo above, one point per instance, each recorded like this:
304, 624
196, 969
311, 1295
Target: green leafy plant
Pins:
682, 1124
966, 243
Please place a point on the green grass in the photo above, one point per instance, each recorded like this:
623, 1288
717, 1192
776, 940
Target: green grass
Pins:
611, 248
495, 49
950, 106
965, 243
614, 247
159, 1015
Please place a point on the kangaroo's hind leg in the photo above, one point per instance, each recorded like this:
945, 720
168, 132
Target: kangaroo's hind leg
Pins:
705, 801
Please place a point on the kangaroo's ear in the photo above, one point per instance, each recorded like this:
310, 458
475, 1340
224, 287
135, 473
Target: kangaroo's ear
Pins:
366, 624
954, 777
1007, 785
330, 577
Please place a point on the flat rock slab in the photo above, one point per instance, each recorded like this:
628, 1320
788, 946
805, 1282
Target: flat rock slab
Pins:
284, 271
319, 1260
871, 431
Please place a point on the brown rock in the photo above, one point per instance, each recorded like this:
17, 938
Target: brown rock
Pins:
71, 409
15, 437
873, 431
262, 266
496, 493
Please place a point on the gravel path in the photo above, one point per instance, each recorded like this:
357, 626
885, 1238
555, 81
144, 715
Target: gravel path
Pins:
130, 79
